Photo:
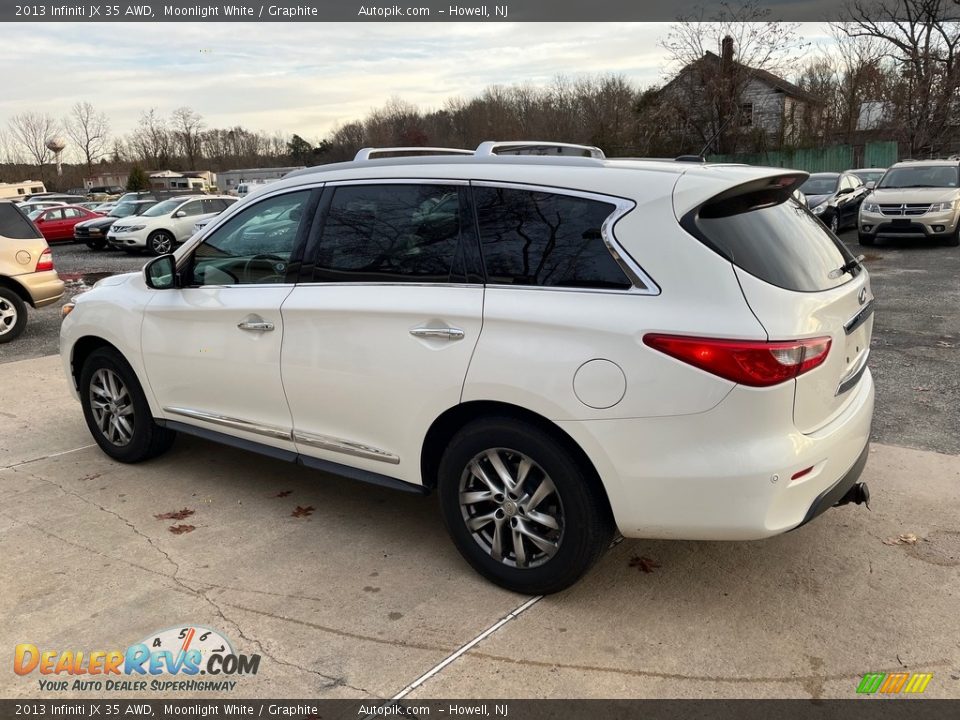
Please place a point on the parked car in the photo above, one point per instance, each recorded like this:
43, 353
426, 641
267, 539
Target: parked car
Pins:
917, 200
27, 275
94, 232
168, 223
92, 205
105, 208
559, 346
57, 197
835, 198
869, 176
105, 190
57, 223
30, 207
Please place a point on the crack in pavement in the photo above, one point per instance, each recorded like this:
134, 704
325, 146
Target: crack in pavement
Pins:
332, 682
20, 463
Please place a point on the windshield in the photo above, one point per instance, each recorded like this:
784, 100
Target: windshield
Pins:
820, 185
935, 176
869, 175
164, 208
124, 210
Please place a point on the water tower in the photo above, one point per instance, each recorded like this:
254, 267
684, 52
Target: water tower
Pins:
56, 145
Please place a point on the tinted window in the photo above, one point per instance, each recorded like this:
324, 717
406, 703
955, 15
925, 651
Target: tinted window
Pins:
213, 206
784, 245
820, 185
390, 233
14, 225
254, 246
538, 238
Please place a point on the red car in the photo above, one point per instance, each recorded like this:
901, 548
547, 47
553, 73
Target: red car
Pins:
57, 223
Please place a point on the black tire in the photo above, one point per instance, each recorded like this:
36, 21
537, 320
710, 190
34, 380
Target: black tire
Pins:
96, 244
833, 222
953, 240
13, 315
146, 438
161, 242
584, 528
866, 240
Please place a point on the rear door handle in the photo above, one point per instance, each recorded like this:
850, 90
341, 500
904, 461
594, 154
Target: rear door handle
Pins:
256, 326
441, 333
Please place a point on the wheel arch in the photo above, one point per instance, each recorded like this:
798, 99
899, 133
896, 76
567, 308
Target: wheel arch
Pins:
82, 349
16, 287
451, 421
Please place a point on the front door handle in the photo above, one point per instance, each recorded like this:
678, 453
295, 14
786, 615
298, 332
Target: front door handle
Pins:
260, 326
441, 333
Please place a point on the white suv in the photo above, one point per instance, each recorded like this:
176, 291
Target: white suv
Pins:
560, 346
168, 223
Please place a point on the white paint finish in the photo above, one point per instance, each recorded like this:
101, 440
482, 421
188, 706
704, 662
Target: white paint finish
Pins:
599, 384
197, 358
353, 371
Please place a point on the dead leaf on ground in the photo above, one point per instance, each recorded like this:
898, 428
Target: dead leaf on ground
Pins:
283, 493
302, 511
175, 515
181, 529
922, 389
902, 539
89, 477
644, 564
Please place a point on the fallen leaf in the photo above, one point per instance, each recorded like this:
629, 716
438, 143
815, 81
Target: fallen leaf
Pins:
302, 511
922, 389
181, 529
89, 477
644, 564
901, 539
283, 493
175, 515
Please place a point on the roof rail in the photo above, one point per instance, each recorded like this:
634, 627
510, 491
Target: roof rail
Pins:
690, 158
535, 147
368, 152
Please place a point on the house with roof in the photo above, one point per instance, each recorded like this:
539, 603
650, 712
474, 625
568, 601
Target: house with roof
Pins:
716, 96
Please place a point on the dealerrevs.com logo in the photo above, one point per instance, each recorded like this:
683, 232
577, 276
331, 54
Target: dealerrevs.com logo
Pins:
168, 661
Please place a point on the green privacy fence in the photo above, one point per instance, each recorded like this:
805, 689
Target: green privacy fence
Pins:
835, 158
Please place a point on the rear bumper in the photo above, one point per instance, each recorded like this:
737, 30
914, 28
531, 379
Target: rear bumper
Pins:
726, 474
44, 288
831, 496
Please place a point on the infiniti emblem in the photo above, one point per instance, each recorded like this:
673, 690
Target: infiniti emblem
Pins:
862, 297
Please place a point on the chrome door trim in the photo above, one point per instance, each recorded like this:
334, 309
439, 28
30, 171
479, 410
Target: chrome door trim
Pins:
347, 447
271, 431
450, 333
859, 319
642, 283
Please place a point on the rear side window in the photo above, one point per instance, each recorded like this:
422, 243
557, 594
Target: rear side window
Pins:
783, 245
14, 225
545, 239
390, 233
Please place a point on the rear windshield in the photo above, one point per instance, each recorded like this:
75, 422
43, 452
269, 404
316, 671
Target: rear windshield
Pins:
784, 245
14, 225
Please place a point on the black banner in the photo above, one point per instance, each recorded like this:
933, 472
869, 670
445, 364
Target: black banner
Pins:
420, 10
857, 709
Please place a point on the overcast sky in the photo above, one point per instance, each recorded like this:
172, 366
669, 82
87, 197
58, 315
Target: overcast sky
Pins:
304, 77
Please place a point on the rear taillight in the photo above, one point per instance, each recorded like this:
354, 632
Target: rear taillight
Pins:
748, 362
46, 261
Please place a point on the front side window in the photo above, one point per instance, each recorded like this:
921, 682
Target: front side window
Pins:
545, 239
390, 233
192, 209
254, 246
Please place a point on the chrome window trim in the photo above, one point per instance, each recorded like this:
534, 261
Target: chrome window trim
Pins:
642, 283
459, 182
347, 447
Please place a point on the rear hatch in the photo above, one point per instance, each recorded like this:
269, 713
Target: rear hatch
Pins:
799, 280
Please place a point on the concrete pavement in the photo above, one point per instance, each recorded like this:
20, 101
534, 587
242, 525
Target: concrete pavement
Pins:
365, 594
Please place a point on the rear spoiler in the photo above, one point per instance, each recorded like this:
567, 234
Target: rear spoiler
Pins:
752, 195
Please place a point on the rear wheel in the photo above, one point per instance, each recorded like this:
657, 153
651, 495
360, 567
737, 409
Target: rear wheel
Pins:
520, 508
866, 240
116, 410
160, 242
13, 315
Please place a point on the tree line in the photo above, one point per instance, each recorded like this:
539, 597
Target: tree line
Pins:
898, 62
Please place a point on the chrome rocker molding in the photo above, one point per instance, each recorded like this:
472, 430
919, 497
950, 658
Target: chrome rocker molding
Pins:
324, 442
279, 454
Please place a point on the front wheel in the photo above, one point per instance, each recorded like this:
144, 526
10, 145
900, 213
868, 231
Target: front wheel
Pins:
520, 508
953, 240
116, 410
13, 315
160, 242
834, 223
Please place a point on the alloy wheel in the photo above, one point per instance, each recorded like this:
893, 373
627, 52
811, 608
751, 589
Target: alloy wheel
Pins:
8, 316
112, 407
161, 244
511, 508
834, 224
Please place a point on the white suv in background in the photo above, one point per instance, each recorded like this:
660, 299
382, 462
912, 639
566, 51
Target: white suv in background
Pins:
167, 224
561, 347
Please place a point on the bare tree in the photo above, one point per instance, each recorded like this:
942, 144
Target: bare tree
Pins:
90, 132
152, 141
187, 125
925, 48
30, 131
713, 61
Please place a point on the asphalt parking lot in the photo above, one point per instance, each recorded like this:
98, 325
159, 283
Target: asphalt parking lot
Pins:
348, 590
